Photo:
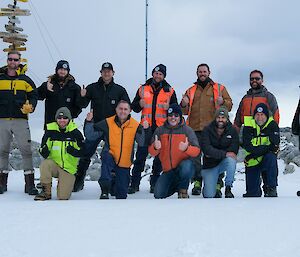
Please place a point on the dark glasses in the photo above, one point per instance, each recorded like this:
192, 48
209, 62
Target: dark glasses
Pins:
255, 78
62, 117
13, 59
173, 114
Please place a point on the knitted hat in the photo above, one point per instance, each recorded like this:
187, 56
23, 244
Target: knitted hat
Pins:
175, 108
62, 64
162, 68
261, 108
107, 65
222, 111
63, 111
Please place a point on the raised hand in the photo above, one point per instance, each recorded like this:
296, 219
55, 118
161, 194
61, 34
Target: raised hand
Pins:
146, 124
142, 102
49, 85
157, 143
220, 100
166, 105
185, 100
90, 115
83, 91
184, 145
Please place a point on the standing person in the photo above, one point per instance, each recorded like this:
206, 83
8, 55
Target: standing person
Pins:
61, 147
200, 102
258, 93
18, 98
119, 132
175, 143
104, 96
261, 141
220, 145
152, 99
60, 90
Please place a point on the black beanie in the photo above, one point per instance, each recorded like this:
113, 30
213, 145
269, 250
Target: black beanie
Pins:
175, 108
62, 64
261, 108
162, 68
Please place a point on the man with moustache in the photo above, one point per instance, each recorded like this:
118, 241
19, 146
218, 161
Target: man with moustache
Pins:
152, 100
200, 102
258, 93
60, 91
261, 140
220, 145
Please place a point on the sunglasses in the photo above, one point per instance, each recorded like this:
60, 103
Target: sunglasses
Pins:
255, 78
62, 117
13, 59
173, 114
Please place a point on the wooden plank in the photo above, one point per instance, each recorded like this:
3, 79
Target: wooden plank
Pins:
15, 35
15, 13
12, 28
16, 48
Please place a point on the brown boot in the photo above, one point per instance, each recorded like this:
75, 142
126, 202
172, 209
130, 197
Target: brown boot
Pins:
45, 194
29, 185
182, 193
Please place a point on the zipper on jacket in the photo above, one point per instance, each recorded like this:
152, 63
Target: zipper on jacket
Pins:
62, 153
122, 129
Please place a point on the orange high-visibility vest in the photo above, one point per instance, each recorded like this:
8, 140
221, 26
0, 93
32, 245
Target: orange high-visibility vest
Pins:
217, 91
146, 93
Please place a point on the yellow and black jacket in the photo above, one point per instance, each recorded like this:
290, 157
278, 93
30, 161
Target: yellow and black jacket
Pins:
14, 93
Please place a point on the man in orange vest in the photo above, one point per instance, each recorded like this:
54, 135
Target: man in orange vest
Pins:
200, 102
152, 99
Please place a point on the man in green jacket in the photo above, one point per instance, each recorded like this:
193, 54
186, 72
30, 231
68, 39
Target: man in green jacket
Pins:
61, 147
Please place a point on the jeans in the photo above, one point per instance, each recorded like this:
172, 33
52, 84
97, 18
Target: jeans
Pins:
122, 176
170, 182
210, 176
268, 168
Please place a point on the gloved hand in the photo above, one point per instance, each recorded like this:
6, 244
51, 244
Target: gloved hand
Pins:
27, 108
44, 151
74, 152
274, 149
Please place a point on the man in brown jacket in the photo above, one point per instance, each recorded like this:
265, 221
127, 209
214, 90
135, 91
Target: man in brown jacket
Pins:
200, 102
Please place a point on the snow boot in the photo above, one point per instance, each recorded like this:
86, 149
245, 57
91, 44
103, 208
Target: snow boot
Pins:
197, 187
218, 191
183, 194
104, 195
45, 194
151, 189
271, 192
3, 182
29, 184
39, 185
228, 193
105, 189
298, 193
133, 189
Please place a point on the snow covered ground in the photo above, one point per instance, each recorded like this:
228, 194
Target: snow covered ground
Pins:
142, 226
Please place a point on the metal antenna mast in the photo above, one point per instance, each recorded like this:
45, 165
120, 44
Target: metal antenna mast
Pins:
146, 54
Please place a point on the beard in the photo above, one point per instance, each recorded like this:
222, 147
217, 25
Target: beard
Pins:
221, 125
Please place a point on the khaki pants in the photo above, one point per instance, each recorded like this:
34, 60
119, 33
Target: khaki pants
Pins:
18, 128
49, 169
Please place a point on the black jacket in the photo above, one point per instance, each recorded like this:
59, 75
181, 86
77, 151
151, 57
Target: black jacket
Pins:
164, 85
67, 95
296, 121
215, 147
104, 98
14, 91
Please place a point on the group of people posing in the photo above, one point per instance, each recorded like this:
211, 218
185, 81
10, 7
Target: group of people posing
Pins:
201, 149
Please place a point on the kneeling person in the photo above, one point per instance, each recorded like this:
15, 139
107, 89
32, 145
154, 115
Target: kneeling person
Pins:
120, 132
220, 145
175, 143
61, 148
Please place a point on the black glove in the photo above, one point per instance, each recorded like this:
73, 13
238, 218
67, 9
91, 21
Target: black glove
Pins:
274, 148
74, 152
44, 151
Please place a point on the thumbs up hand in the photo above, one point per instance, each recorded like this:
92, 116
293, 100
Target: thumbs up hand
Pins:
185, 100
83, 91
184, 145
157, 143
49, 85
90, 115
27, 108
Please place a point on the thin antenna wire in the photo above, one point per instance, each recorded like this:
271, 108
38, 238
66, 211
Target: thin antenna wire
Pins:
146, 54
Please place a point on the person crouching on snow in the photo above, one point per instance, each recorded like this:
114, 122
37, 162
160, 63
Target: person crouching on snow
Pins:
175, 143
120, 131
61, 147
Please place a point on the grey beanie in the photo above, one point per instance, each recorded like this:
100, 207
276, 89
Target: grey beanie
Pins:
63, 111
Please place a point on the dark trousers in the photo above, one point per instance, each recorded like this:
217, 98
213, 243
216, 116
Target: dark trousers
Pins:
121, 176
197, 161
268, 168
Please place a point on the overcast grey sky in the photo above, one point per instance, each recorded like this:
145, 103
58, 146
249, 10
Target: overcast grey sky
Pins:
233, 37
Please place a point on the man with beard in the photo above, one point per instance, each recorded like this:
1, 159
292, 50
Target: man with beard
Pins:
152, 99
261, 140
18, 98
200, 102
175, 143
255, 95
60, 91
220, 145
104, 96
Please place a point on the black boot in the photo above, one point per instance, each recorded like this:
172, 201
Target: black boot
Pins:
197, 187
3, 182
105, 189
298, 193
271, 192
133, 189
79, 183
29, 185
228, 193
